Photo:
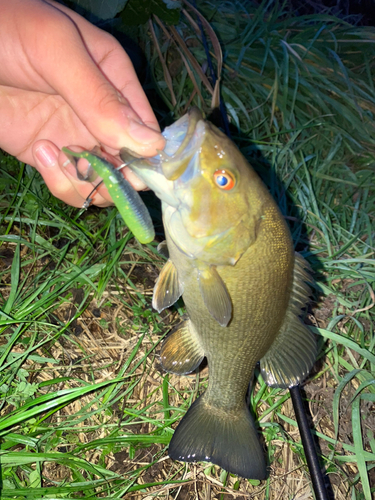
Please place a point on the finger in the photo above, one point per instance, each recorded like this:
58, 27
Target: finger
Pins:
61, 178
55, 122
101, 196
129, 175
107, 52
135, 181
99, 105
105, 197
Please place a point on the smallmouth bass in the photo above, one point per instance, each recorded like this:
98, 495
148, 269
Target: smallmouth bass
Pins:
231, 258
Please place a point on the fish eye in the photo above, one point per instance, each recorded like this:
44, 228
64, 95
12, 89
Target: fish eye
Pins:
224, 180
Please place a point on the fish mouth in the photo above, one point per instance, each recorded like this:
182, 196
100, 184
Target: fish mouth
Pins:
183, 139
178, 160
174, 164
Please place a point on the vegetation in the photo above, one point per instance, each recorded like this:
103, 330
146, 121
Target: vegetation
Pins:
84, 409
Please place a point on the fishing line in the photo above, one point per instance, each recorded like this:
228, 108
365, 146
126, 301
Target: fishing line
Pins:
295, 392
88, 200
222, 107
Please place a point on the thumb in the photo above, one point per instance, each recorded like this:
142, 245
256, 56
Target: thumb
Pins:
107, 113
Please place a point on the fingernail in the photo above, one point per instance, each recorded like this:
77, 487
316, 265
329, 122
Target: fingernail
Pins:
139, 132
46, 156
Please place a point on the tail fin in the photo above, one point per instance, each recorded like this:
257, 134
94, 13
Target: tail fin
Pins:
227, 439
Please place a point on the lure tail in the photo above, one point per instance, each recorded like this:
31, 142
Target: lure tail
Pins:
227, 439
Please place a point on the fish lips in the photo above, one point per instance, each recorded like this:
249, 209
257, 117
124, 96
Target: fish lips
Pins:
170, 170
191, 132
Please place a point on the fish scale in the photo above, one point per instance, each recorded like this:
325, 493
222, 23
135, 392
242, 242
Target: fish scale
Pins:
231, 258
243, 281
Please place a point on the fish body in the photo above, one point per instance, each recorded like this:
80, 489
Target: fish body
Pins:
231, 258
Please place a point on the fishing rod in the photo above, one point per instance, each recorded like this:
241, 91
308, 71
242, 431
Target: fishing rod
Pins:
316, 474
317, 478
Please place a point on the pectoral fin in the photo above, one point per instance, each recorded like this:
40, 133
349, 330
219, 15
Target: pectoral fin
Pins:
293, 352
215, 294
167, 288
181, 352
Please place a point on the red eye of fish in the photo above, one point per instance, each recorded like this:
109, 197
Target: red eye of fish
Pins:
224, 180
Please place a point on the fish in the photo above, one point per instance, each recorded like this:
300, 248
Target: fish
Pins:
231, 258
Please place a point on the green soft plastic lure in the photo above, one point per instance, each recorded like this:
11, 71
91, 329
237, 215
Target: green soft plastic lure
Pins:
126, 199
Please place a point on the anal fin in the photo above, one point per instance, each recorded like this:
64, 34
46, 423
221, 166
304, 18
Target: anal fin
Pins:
214, 294
167, 288
181, 352
294, 350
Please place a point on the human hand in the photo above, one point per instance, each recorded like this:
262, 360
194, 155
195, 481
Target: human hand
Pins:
64, 82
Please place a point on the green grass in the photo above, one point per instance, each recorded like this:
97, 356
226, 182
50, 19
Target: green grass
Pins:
85, 411
54, 254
